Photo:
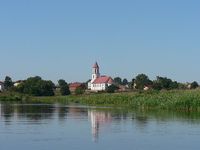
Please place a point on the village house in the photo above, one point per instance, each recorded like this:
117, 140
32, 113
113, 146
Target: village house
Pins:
74, 86
123, 88
98, 82
17, 83
1, 86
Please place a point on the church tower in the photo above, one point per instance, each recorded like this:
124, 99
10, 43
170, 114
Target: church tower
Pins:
95, 72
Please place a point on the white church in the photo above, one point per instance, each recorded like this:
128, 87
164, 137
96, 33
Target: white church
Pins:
98, 82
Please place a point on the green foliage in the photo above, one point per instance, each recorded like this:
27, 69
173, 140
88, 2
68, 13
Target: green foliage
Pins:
111, 89
174, 85
79, 91
131, 84
182, 86
10, 96
156, 85
164, 83
64, 88
8, 83
125, 82
118, 80
37, 87
181, 100
142, 80
194, 85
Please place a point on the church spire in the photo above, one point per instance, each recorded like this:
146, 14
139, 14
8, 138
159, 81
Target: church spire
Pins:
95, 71
96, 65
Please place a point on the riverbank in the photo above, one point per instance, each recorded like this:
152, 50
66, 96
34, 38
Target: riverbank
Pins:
181, 100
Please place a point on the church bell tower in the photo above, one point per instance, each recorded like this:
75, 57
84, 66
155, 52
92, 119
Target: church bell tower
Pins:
95, 71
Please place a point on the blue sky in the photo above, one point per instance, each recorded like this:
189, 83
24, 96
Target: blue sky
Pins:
63, 38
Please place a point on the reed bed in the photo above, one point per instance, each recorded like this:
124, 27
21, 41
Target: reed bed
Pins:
187, 100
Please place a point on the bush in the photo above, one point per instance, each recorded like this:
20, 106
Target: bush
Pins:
111, 89
37, 87
64, 88
194, 85
79, 91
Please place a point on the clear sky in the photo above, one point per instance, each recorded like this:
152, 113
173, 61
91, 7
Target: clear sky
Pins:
63, 38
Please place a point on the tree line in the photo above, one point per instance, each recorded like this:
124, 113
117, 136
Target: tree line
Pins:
36, 86
160, 83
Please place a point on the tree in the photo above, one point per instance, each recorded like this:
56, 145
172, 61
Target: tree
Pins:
156, 85
8, 83
118, 80
131, 84
112, 88
37, 87
194, 85
79, 90
165, 83
174, 85
64, 88
125, 82
86, 83
142, 80
182, 86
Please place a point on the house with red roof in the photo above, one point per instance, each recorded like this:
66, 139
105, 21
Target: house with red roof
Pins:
75, 85
98, 82
1, 86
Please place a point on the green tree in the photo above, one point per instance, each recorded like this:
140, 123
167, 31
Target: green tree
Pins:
8, 83
165, 83
141, 80
194, 85
125, 82
174, 85
80, 90
156, 85
37, 87
118, 80
112, 88
64, 88
131, 84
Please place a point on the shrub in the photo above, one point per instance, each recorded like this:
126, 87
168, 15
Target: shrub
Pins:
64, 88
194, 85
79, 91
37, 87
112, 88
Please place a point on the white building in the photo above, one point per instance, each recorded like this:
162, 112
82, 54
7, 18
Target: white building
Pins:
1, 86
17, 83
99, 83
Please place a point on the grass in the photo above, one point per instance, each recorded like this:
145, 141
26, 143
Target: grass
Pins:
13, 97
188, 100
181, 100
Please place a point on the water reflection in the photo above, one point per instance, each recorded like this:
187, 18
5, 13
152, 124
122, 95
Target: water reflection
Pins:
100, 119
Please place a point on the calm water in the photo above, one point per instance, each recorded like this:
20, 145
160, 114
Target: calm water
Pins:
60, 127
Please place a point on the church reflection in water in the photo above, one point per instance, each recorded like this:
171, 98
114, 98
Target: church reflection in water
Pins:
98, 119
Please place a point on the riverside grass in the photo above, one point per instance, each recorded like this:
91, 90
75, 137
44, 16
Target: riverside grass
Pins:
181, 100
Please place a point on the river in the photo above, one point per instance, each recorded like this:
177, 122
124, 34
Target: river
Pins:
73, 127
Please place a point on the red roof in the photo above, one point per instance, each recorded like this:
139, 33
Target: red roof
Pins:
103, 79
76, 84
96, 65
1, 82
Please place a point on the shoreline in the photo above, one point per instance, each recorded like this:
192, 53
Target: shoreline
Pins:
179, 100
